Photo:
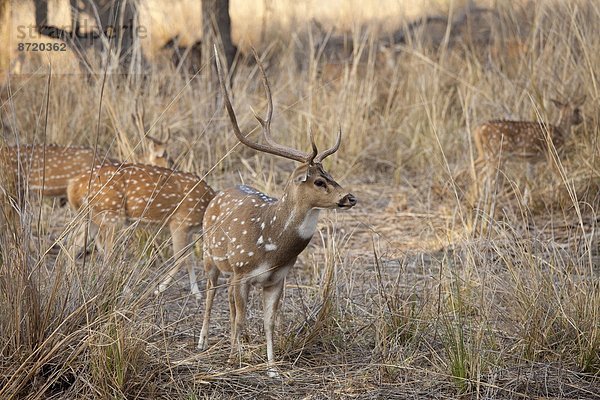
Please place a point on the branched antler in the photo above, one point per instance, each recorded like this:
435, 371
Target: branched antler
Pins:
271, 146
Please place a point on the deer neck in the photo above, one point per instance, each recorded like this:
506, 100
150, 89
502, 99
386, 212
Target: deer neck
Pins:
291, 217
564, 126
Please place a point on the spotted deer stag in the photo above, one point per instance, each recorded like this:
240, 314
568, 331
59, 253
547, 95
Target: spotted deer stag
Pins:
256, 238
500, 141
114, 193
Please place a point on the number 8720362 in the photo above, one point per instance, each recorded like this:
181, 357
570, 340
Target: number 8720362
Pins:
29, 46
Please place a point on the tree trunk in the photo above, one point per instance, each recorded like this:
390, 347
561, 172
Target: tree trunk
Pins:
41, 13
216, 28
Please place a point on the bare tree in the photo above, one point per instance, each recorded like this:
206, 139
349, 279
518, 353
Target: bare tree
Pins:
216, 28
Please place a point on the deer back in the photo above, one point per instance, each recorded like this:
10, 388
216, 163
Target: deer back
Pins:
516, 138
49, 168
143, 192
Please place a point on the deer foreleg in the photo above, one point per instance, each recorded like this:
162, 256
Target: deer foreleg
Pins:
271, 297
212, 280
180, 237
240, 295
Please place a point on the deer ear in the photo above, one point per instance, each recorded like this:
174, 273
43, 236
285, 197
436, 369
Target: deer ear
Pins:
302, 175
557, 103
301, 178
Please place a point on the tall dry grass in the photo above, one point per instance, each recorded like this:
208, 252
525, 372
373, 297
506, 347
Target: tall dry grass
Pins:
421, 291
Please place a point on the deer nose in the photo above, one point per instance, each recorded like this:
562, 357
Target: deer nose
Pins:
348, 201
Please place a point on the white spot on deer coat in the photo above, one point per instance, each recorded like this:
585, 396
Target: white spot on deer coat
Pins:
270, 247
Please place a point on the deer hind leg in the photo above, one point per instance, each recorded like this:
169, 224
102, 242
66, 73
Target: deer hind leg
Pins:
483, 193
212, 280
85, 237
529, 173
493, 176
240, 290
271, 297
108, 223
101, 232
181, 240
478, 176
232, 311
231, 298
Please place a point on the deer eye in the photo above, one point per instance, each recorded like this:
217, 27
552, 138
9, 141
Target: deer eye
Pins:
320, 183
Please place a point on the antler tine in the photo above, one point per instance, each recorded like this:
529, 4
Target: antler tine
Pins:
271, 147
266, 122
228, 106
314, 147
154, 139
321, 156
138, 116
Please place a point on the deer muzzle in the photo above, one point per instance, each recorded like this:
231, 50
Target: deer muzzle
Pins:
348, 201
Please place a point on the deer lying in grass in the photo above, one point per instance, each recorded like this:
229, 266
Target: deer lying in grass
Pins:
114, 193
499, 141
257, 238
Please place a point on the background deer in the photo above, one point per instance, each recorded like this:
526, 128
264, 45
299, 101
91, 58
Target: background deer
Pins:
114, 193
499, 141
256, 238
48, 169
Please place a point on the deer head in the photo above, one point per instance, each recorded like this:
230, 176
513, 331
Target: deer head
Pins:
158, 151
310, 184
569, 114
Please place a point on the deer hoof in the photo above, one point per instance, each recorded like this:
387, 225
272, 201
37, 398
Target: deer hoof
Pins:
161, 288
272, 372
196, 292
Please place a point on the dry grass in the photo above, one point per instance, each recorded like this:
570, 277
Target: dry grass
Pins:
419, 292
